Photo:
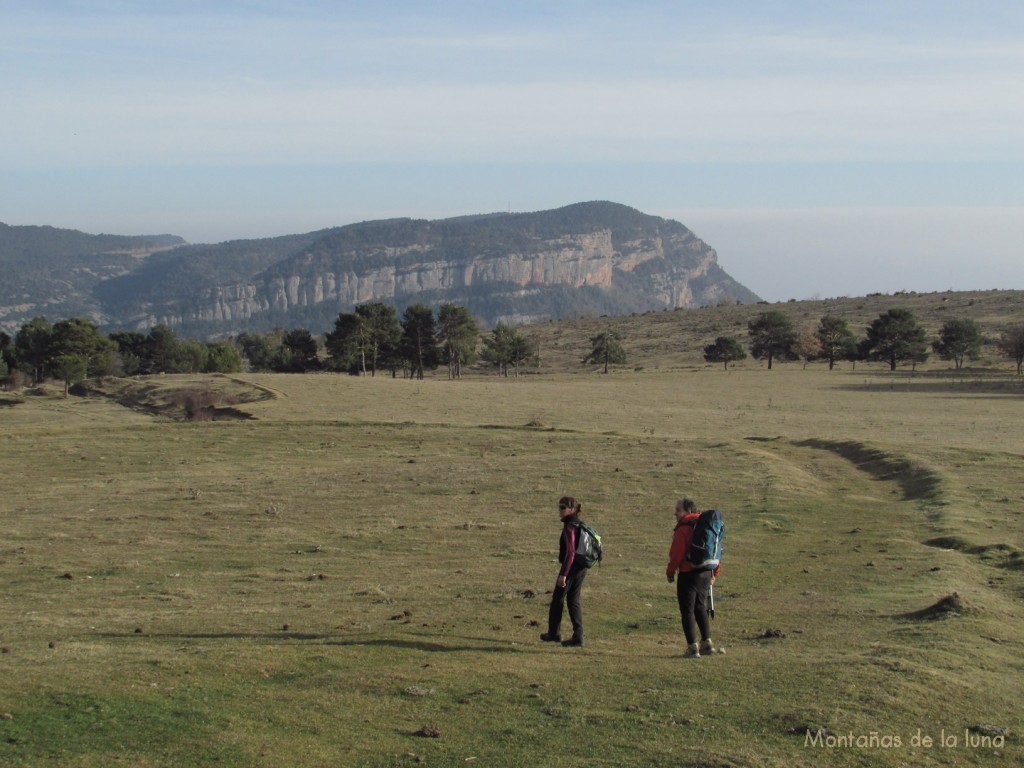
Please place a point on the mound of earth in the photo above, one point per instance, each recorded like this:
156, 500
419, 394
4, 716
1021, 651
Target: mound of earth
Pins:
948, 607
207, 399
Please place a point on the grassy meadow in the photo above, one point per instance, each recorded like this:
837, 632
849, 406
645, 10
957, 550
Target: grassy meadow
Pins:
358, 574
674, 339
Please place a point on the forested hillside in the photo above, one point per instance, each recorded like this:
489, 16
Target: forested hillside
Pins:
49, 269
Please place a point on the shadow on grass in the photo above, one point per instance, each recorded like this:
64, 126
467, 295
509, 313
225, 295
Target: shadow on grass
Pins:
1002, 555
994, 384
917, 482
464, 644
219, 635
432, 646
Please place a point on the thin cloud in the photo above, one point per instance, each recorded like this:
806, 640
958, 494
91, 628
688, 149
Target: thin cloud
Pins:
772, 119
222, 120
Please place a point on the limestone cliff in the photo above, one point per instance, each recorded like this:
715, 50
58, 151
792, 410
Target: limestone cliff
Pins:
588, 258
584, 259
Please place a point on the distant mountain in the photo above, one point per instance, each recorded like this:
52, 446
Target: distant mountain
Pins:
585, 259
54, 272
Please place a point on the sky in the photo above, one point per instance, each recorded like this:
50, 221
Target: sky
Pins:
822, 148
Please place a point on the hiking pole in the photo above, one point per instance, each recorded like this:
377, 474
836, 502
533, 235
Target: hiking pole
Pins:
711, 601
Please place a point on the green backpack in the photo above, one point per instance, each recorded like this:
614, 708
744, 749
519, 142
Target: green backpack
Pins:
588, 545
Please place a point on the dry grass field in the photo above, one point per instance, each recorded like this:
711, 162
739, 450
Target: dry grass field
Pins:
358, 574
674, 340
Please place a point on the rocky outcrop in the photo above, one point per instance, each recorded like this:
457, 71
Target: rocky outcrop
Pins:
573, 261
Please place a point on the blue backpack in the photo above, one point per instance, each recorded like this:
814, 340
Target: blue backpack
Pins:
705, 552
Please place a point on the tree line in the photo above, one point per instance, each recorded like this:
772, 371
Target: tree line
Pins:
894, 337
368, 340
373, 338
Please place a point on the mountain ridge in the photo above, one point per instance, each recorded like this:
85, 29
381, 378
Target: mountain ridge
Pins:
595, 257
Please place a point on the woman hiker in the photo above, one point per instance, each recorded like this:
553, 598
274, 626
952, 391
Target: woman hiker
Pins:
570, 577
692, 587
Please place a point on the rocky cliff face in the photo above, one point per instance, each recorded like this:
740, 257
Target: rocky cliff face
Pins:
573, 261
589, 258
650, 264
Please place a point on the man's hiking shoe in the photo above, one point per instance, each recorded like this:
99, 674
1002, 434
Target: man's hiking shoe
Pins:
706, 648
691, 652
572, 642
547, 637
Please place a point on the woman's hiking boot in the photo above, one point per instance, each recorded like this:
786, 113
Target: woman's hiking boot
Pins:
706, 648
551, 637
691, 652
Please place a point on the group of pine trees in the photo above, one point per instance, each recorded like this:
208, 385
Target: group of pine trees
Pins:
894, 337
373, 338
75, 349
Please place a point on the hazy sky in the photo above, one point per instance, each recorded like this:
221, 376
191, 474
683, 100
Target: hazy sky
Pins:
823, 148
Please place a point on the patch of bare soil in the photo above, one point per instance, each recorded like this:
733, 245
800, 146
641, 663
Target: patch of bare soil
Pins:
188, 402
